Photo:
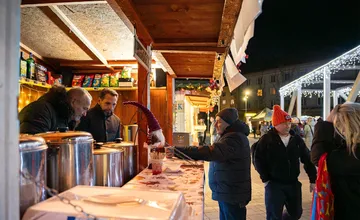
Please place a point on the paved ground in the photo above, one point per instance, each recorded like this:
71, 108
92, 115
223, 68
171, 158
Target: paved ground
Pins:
256, 208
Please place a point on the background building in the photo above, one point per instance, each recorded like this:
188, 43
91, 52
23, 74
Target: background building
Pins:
263, 89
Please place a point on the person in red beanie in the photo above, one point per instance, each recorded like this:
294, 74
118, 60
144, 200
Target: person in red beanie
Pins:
276, 159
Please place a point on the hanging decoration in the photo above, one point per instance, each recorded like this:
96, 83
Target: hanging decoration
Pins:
350, 58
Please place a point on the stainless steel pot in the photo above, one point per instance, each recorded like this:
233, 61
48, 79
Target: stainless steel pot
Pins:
130, 158
70, 159
109, 167
130, 133
32, 162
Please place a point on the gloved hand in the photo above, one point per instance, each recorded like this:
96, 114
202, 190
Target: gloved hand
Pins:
312, 187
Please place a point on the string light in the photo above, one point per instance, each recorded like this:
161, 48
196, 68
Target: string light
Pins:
350, 58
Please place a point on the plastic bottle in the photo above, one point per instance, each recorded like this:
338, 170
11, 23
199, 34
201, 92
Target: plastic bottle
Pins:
30, 67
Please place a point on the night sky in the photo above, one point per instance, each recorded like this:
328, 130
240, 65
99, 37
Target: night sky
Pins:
299, 31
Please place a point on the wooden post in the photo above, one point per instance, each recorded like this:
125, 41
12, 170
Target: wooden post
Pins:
9, 126
143, 86
170, 90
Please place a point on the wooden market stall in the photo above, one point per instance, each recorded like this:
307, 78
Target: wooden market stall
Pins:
183, 39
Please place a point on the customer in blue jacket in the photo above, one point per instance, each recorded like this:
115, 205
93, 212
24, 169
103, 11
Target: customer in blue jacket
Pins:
229, 173
277, 159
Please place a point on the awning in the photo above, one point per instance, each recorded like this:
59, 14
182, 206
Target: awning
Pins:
264, 115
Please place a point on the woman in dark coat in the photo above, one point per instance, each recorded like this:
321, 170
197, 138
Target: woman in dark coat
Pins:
339, 136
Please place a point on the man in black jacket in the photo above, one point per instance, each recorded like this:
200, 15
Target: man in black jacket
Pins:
277, 157
229, 173
100, 120
56, 109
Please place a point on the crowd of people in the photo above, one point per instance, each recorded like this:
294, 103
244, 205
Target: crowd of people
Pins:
284, 144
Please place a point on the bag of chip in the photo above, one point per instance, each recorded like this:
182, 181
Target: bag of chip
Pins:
97, 80
40, 73
50, 78
126, 72
114, 79
57, 79
88, 81
77, 80
105, 80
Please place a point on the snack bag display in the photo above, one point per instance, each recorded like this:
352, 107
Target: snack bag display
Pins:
77, 80
88, 80
114, 79
97, 80
126, 72
40, 73
50, 78
57, 79
105, 80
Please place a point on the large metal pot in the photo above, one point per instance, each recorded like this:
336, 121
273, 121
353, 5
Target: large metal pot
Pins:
70, 159
32, 163
130, 158
130, 133
109, 167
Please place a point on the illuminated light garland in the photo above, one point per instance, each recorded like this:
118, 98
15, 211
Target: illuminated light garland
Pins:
350, 58
320, 93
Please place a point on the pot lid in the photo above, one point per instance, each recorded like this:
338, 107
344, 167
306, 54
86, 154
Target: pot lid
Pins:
107, 151
66, 136
31, 143
116, 145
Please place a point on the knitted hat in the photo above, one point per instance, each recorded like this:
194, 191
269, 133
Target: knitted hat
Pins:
229, 115
279, 116
152, 122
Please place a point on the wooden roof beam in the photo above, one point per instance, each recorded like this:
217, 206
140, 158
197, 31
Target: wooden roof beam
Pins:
164, 63
80, 35
125, 9
90, 63
187, 49
228, 21
39, 3
66, 30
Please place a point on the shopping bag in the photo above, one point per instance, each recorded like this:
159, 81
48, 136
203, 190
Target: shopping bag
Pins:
323, 198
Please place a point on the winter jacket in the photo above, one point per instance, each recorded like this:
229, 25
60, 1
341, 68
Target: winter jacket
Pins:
229, 173
48, 113
275, 162
343, 168
102, 128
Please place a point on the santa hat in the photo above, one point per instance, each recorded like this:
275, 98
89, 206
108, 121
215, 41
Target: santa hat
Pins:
152, 122
279, 116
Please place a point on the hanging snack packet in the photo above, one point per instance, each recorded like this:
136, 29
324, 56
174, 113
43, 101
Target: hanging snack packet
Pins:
77, 80
58, 80
50, 78
88, 81
40, 73
105, 80
97, 80
114, 79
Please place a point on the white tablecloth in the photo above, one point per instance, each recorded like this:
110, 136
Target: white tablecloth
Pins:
189, 181
156, 205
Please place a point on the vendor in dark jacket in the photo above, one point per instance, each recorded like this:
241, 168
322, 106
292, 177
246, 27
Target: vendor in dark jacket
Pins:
100, 120
57, 108
229, 173
339, 136
277, 157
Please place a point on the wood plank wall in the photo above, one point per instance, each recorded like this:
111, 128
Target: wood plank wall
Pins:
128, 114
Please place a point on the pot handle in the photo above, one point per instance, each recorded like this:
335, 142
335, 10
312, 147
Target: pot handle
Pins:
98, 145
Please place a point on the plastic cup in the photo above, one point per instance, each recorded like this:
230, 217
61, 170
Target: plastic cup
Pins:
156, 166
169, 152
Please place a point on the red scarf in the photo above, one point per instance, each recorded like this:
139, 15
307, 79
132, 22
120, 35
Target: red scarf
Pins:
323, 198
